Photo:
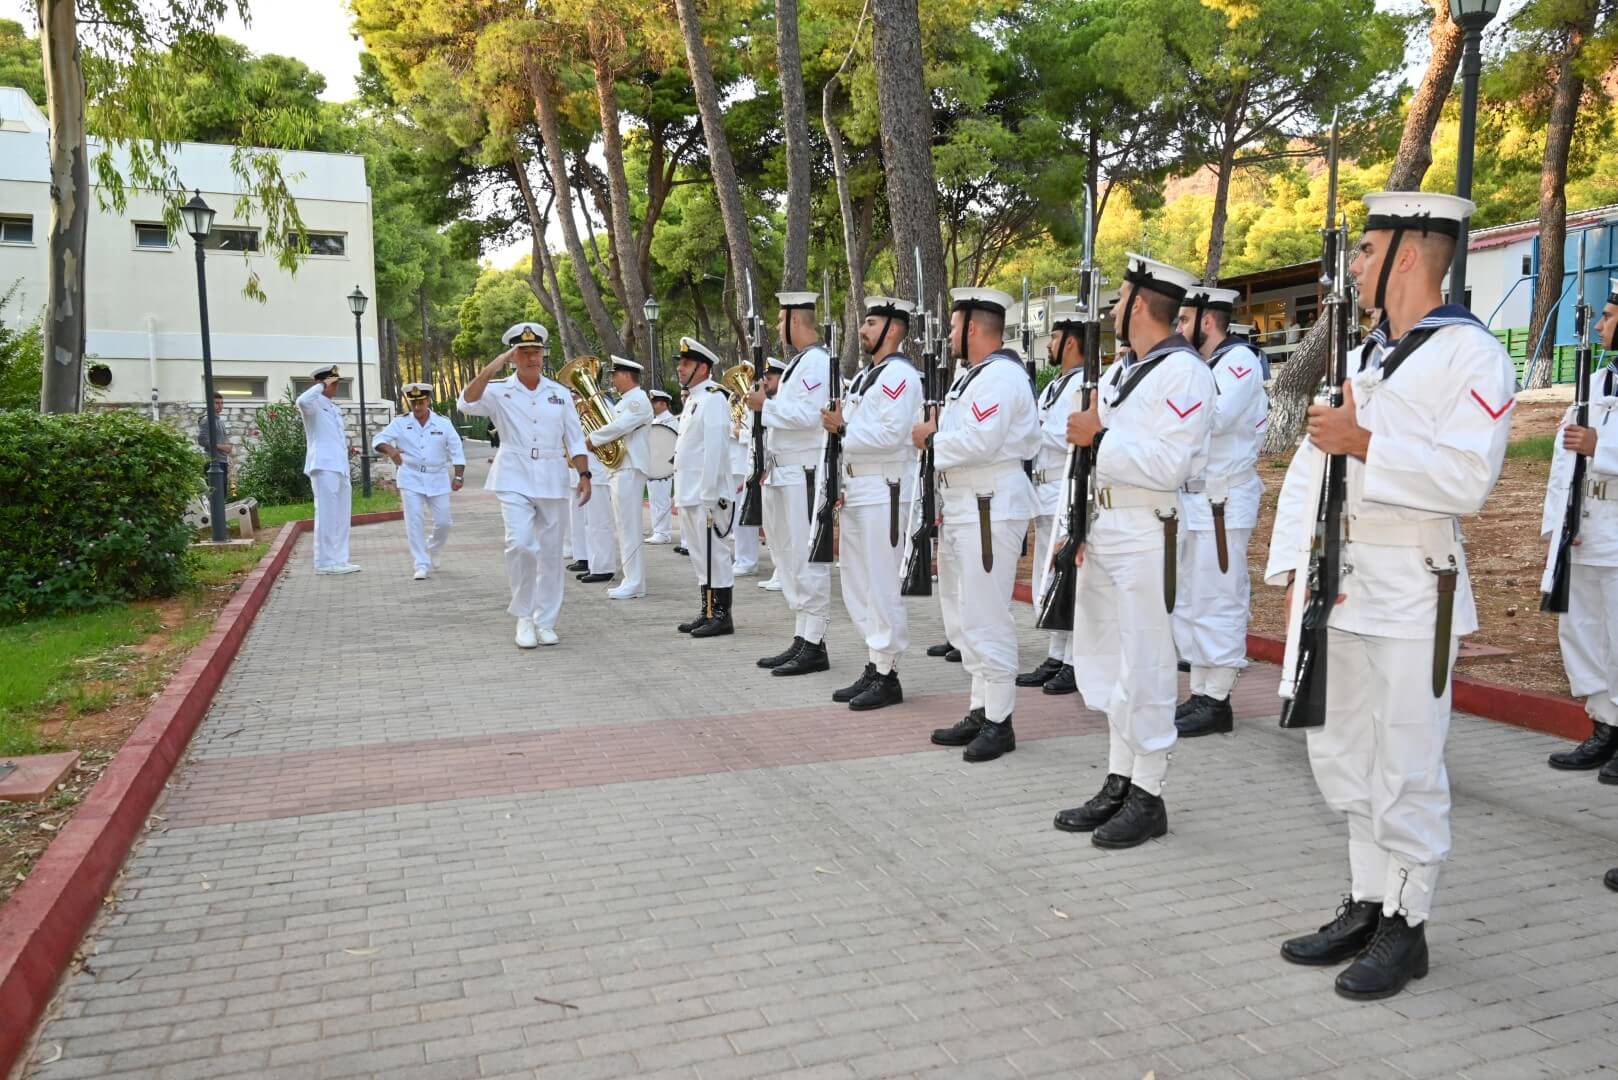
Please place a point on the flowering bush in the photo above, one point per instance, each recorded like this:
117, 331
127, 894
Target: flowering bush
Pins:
273, 470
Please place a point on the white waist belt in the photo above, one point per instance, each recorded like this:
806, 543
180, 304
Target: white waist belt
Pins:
891, 468
1433, 534
806, 458
979, 478
1601, 490
1217, 488
1122, 496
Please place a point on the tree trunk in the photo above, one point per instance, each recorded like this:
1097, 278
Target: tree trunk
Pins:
1221, 210
62, 380
623, 237
555, 154
726, 185
1553, 199
907, 130
700, 312
795, 122
540, 271
426, 337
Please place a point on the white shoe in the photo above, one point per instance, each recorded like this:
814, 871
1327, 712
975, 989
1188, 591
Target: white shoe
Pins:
420, 574
658, 539
770, 584
338, 568
526, 638
547, 636
621, 593
745, 571
567, 554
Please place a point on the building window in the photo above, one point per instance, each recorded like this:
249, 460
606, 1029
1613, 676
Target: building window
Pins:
345, 387
1527, 266
322, 243
153, 235
239, 387
231, 238
16, 230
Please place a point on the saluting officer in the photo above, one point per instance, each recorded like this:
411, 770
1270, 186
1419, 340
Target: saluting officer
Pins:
1148, 423
660, 493
325, 463
632, 415
795, 444
989, 425
1219, 510
1424, 425
540, 437
706, 488
1064, 350
878, 489
424, 447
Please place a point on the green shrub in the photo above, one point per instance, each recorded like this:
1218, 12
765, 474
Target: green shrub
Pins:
272, 472
21, 355
92, 510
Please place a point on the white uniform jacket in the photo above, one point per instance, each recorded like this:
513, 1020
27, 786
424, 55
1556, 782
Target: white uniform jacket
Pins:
1598, 526
630, 418
882, 406
989, 425
1439, 426
428, 451
539, 436
1156, 439
793, 437
1241, 415
1058, 400
702, 464
323, 433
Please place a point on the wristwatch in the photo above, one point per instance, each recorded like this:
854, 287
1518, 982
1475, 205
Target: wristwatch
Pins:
584, 473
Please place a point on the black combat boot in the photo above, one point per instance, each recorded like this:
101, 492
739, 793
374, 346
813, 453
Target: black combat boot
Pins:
1142, 818
680, 549
1344, 938
720, 624
883, 690
594, 579
1063, 682
1105, 803
783, 656
809, 659
992, 740
1042, 674
1397, 954
579, 566
953, 656
1189, 705
939, 650
963, 732
852, 691
1213, 718
1592, 753
702, 615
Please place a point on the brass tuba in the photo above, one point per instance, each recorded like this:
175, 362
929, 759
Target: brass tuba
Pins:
594, 412
738, 379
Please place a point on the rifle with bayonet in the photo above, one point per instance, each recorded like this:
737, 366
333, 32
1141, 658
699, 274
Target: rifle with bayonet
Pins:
820, 544
753, 502
1556, 599
918, 575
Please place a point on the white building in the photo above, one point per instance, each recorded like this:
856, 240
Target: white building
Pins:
143, 338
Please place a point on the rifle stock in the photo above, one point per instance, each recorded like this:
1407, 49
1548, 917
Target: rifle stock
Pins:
1556, 599
752, 514
820, 543
918, 573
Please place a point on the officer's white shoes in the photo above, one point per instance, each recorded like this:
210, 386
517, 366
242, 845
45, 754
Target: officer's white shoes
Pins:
657, 538
567, 554
744, 571
546, 636
339, 568
527, 638
770, 583
420, 574
619, 592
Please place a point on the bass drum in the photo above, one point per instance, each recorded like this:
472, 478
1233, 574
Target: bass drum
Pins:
660, 452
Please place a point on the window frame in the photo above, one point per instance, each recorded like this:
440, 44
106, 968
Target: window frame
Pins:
168, 237
261, 384
310, 234
249, 230
17, 219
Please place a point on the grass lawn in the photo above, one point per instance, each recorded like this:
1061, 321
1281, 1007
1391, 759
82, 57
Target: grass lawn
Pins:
1534, 448
274, 516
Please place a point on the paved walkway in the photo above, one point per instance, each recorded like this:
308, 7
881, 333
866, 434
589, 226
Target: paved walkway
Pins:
402, 848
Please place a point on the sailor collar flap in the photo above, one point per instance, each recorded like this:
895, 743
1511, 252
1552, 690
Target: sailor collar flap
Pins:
1054, 388
793, 364
1434, 321
1133, 374
978, 369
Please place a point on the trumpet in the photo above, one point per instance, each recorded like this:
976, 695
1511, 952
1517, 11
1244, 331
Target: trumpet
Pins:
580, 376
738, 379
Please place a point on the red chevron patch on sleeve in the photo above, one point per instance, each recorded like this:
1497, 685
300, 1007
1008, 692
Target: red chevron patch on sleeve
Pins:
1183, 413
811, 386
984, 414
1494, 414
893, 392
1241, 372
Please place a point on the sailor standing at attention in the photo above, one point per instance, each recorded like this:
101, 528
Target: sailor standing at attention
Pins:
424, 447
706, 488
660, 493
325, 462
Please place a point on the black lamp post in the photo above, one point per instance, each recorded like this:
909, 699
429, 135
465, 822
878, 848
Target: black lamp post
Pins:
650, 310
1473, 16
356, 304
198, 219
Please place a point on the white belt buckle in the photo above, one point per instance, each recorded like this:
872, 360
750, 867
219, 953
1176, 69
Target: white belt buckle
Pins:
533, 453
1598, 489
1104, 498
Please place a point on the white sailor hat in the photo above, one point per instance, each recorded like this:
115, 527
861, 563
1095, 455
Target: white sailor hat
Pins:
1212, 299
1421, 211
526, 333
1160, 277
774, 366
415, 391
1612, 290
890, 306
692, 349
623, 363
1064, 311
797, 299
659, 395
990, 300
321, 374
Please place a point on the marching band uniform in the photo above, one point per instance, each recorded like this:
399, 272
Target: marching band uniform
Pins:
1219, 509
879, 481
660, 493
428, 451
1436, 404
539, 435
988, 427
706, 489
325, 463
593, 522
1155, 408
631, 416
741, 464
795, 444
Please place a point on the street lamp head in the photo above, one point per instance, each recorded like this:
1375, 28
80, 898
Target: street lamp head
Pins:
650, 309
1473, 14
357, 301
197, 217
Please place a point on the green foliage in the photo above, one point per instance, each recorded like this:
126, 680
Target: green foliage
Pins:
499, 300
93, 512
22, 353
273, 469
1533, 448
271, 516
20, 63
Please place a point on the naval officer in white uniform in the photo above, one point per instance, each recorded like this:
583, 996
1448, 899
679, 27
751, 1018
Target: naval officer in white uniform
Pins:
325, 462
632, 415
425, 448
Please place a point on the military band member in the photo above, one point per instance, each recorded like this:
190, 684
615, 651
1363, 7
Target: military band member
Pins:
1588, 633
540, 439
594, 522
1065, 351
879, 467
795, 444
1218, 511
632, 415
741, 461
1424, 424
988, 427
660, 493
706, 488
1148, 423
325, 463
425, 448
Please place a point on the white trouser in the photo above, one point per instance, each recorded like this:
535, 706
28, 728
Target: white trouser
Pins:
1061, 647
746, 547
600, 547
987, 634
534, 555
1589, 637
806, 585
660, 494
1124, 660
424, 552
871, 569
627, 485
573, 534
334, 506
697, 541
1379, 759
1210, 610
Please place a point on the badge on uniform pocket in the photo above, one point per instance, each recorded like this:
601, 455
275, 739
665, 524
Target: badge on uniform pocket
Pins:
554, 400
